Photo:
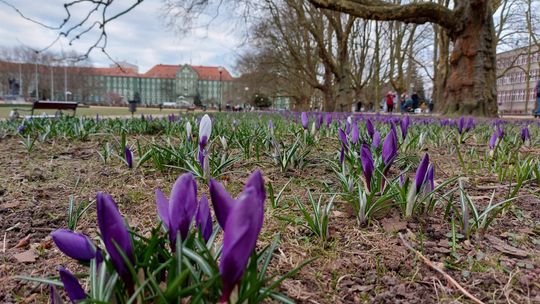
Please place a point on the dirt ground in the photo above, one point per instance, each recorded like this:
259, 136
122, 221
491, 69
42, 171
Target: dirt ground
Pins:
356, 265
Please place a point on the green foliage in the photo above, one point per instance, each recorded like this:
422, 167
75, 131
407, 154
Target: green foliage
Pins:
316, 219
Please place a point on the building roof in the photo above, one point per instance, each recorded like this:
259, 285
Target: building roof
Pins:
162, 71
157, 71
204, 72
115, 71
212, 73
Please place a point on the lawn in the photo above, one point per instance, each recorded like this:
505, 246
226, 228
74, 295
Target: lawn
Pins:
92, 111
356, 208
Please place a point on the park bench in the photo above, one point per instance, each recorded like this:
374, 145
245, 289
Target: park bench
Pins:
54, 105
46, 105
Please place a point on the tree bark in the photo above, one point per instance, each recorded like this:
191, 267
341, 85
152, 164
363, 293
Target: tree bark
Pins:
441, 67
471, 87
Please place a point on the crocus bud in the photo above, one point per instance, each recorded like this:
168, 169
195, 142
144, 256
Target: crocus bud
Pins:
114, 233
367, 164
493, 140
525, 136
421, 173
188, 130
203, 219
223, 141
343, 138
305, 120
355, 133
242, 227
370, 128
221, 201
75, 245
205, 130
319, 121
129, 157
389, 149
461, 125
376, 140
73, 289
177, 213
404, 124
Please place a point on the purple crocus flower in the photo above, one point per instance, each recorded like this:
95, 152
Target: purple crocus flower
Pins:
525, 135
376, 142
114, 233
404, 124
389, 149
328, 119
319, 121
73, 289
177, 212
203, 219
343, 138
344, 144
221, 201
500, 132
271, 126
21, 128
421, 173
493, 140
355, 133
470, 124
430, 178
370, 128
367, 164
348, 123
305, 120
461, 125
243, 222
129, 157
75, 245
205, 130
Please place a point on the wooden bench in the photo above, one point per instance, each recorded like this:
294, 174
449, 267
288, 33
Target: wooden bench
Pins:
54, 105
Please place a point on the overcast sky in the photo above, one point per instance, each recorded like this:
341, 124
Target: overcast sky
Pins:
140, 37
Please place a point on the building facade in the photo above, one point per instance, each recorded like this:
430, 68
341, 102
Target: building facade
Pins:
518, 71
179, 84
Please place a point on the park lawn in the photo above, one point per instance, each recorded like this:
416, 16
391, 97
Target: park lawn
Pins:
92, 111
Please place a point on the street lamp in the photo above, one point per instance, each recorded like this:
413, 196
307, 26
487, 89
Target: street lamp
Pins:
246, 89
37, 80
220, 69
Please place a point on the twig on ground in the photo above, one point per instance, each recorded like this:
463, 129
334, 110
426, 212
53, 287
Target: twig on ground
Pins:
4, 246
448, 278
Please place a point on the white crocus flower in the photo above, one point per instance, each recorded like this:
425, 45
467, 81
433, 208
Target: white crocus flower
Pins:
188, 130
205, 128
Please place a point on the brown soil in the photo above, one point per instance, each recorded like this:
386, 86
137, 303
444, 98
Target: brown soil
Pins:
357, 265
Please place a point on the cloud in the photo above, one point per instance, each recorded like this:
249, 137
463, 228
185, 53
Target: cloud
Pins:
139, 37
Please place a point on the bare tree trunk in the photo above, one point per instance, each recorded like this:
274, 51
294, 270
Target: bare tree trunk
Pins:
441, 66
471, 88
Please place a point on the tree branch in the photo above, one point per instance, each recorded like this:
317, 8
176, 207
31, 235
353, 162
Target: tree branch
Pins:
418, 13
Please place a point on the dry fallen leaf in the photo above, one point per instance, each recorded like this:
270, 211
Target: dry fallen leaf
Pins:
23, 242
505, 248
393, 224
25, 257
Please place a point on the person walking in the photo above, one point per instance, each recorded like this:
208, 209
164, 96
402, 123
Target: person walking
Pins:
390, 102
